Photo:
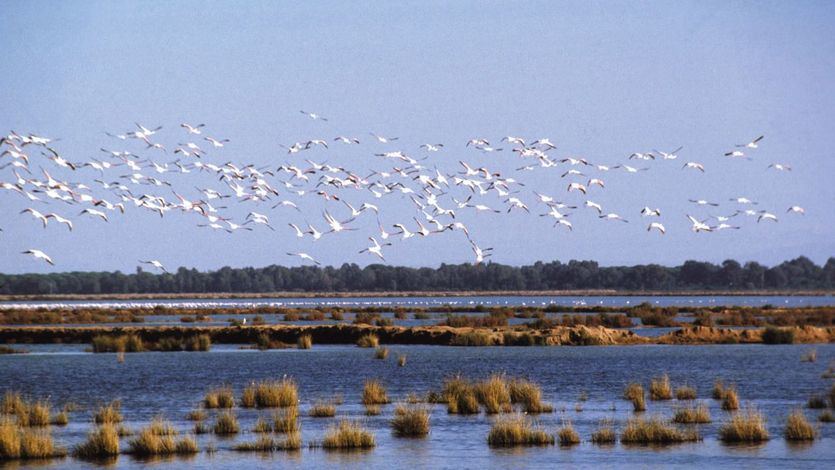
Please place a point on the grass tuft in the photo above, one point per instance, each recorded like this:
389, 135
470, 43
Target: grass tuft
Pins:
685, 392
219, 398
747, 426
271, 394
109, 413
692, 415
410, 421
529, 395
101, 442
517, 430
374, 393
305, 342
730, 400
226, 423
654, 431
348, 435
567, 436
322, 409
381, 353
286, 420
368, 341
494, 394
798, 428
605, 433
660, 389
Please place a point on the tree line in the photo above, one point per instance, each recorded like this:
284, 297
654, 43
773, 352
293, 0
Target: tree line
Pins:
800, 273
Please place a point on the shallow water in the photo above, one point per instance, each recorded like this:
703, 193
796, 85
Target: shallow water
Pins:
302, 302
772, 378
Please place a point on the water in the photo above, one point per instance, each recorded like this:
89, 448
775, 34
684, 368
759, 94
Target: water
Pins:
772, 378
307, 302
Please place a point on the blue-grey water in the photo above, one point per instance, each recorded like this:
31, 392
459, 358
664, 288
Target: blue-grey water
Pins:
770, 378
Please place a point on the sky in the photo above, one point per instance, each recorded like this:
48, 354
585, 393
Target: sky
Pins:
600, 79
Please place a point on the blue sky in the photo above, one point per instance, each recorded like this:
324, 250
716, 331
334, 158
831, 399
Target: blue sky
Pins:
602, 80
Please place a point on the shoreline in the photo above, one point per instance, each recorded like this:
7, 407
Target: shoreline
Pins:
425, 335
402, 294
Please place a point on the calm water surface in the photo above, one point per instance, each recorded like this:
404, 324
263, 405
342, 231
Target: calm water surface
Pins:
772, 378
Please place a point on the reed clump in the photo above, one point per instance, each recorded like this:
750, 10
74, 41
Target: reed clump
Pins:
368, 341
286, 420
685, 392
160, 427
460, 396
567, 435
219, 398
348, 435
605, 433
528, 395
373, 410
38, 445
198, 343
517, 430
262, 426
323, 409
226, 423
374, 393
816, 402
660, 388
271, 394
730, 400
101, 442
148, 443
401, 360
718, 390
381, 353
410, 421
305, 342
826, 417
292, 441
109, 413
494, 394
798, 428
699, 414
654, 431
746, 426
196, 415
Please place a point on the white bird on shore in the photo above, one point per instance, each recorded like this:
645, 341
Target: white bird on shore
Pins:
658, 226
38, 254
155, 264
304, 256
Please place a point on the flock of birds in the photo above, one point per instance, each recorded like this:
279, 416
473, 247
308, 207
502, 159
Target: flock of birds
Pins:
121, 181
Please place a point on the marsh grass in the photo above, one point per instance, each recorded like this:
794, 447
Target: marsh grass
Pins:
654, 431
745, 426
198, 343
201, 428
528, 395
730, 399
685, 392
348, 435
798, 428
473, 338
718, 391
262, 426
39, 413
401, 360
322, 409
660, 388
60, 419
567, 435
109, 413
826, 417
493, 393
226, 423
305, 342
160, 427
381, 352
605, 433
517, 430
269, 444
196, 415
368, 341
698, 414
13, 403
286, 420
410, 421
373, 410
221, 397
460, 396
271, 394
101, 442
816, 402
38, 445
374, 393
148, 443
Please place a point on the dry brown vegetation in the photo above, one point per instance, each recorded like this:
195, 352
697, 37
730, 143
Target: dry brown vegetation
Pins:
517, 430
744, 426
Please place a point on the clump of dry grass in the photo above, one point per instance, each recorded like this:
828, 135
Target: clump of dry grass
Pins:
226, 423
101, 442
13, 403
529, 395
460, 396
60, 419
381, 353
201, 428
567, 436
718, 389
374, 393
271, 394
160, 427
798, 428
368, 341
39, 413
198, 343
699, 414
149, 443
826, 417
493, 393
634, 392
38, 445
286, 420
305, 342
816, 402
410, 421
196, 415
262, 426
348, 435
109, 413
401, 360
605, 433
9, 440
660, 388
517, 430
685, 392
372, 410
221, 397
730, 400
746, 426
654, 431
322, 409
292, 441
